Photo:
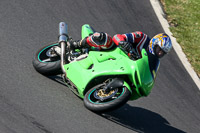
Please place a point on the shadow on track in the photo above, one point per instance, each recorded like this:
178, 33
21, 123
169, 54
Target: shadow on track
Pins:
140, 120
135, 118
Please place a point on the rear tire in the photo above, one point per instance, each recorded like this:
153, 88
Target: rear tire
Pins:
47, 65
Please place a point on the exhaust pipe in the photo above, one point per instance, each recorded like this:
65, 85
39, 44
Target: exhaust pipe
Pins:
62, 32
63, 38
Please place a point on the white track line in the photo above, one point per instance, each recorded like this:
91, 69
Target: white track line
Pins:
160, 14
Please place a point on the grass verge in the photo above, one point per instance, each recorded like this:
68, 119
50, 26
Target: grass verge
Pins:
184, 19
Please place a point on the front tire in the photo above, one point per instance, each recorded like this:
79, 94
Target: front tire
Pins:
47, 65
97, 101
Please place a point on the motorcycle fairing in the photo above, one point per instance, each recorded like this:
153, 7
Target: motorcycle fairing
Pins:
113, 62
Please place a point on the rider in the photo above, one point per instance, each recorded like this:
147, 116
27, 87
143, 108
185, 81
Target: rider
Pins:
96, 41
130, 43
133, 43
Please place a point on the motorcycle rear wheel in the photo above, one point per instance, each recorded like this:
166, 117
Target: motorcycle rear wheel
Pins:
97, 101
45, 64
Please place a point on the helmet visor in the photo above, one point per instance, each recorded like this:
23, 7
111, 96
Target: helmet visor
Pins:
159, 52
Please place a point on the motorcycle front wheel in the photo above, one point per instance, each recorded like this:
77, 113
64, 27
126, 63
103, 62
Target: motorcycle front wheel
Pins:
46, 61
97, 100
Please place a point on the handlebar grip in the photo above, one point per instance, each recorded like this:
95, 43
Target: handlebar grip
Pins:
63, 32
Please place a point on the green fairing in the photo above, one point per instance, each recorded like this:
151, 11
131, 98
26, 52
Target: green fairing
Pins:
86, 31
110, 63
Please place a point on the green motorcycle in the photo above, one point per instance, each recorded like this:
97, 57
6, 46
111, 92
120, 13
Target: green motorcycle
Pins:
105, 80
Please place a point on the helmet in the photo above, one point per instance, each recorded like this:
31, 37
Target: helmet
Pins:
160, 45
102, 39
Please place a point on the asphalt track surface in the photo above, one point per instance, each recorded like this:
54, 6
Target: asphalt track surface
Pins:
32, 103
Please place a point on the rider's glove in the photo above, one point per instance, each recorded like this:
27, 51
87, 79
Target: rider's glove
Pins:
125, 46
128, 48
133, 54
